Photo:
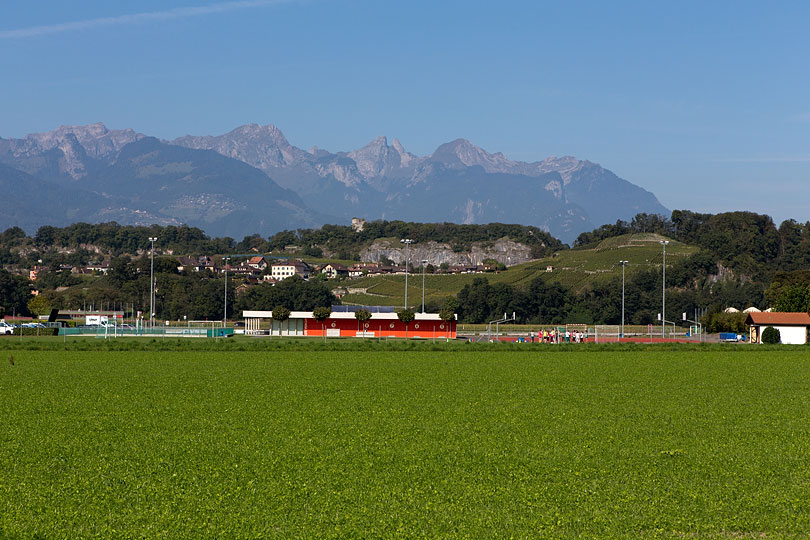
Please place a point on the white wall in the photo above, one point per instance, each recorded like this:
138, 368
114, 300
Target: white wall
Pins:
790, 335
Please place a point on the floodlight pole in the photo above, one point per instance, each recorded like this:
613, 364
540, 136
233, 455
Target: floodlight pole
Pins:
225, 311
152, 239
407, 242
424, 263
664, 288
623, 263
697, 323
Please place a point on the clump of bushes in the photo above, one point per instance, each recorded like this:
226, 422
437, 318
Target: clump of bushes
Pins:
36, 331
771, 336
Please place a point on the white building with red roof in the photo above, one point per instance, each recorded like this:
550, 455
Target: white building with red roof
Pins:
793, 327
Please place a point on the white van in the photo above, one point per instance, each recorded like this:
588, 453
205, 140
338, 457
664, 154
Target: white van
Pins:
6, 328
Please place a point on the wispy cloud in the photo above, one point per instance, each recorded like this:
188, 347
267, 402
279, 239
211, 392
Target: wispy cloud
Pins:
764, 159
135, 18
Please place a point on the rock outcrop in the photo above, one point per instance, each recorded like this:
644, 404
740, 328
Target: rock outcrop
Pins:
504, 251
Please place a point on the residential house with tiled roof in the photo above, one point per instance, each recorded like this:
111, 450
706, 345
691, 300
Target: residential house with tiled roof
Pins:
334, 270
258, 262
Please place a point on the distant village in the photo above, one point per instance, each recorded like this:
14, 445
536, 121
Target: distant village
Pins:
260, 269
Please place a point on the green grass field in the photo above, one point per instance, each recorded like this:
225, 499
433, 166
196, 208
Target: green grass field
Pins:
575, 268
485, 442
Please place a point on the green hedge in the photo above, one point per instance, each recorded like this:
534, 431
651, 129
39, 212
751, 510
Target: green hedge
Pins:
36, 331
771, 336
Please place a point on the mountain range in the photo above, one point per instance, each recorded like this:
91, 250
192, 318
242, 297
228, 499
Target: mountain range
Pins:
252, 180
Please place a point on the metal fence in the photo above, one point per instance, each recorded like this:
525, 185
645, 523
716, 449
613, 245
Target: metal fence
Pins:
108, 332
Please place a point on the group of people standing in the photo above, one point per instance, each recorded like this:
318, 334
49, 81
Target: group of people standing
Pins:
558, 336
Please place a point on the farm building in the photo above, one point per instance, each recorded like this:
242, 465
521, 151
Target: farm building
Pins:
342, 323
792, 327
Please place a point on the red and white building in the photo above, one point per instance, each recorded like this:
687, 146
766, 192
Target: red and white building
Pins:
345, 324
258, 262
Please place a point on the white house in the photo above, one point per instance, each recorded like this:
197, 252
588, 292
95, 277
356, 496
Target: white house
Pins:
334, 270
792, 327
286, 269
258, 262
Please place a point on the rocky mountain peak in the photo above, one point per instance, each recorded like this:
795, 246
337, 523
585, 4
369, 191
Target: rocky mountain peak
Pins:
97, 141
463, 152
73, 157
267, 133
375, 158
396, 145
264, 147
405, 157
566, 166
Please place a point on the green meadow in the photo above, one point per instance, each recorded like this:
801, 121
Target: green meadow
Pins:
499, 442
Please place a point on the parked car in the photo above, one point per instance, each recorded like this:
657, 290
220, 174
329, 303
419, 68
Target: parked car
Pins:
6, 328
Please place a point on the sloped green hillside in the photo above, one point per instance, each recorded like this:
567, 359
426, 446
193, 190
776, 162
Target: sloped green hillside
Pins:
574, 268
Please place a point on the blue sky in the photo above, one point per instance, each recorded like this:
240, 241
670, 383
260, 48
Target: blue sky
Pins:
706, 104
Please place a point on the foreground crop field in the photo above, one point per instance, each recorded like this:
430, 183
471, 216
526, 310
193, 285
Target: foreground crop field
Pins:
403, 444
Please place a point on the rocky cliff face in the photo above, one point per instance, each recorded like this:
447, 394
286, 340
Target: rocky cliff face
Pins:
263, 147
96, 140
504, 251
66, 151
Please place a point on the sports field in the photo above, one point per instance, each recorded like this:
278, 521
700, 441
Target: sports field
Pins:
595, 443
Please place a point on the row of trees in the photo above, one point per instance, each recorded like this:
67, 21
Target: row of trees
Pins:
347, 243
71, 245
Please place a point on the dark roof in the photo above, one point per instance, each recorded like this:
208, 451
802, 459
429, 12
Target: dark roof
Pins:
352, 308
778, 319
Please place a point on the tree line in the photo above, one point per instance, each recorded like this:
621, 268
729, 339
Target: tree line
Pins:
346, 243
748, 243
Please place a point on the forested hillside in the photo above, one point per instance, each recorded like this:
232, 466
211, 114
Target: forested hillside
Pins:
346, 243
749, 244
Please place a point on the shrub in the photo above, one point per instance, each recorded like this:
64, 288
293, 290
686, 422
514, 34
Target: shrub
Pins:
406, 316
771, 336
281, 314
36, 331
321, 313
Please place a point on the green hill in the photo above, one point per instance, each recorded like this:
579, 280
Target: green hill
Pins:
574, 268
